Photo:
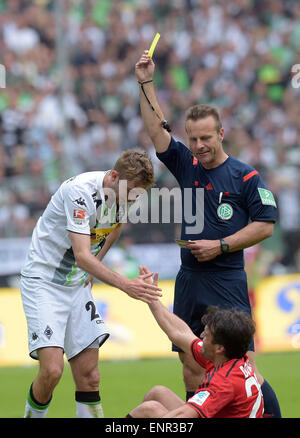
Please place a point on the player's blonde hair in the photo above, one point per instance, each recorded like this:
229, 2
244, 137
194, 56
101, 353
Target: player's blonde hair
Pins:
135, 165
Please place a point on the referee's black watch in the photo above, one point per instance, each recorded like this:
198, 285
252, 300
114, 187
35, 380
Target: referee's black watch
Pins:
224, 246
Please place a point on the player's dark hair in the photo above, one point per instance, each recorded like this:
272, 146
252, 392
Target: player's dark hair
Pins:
202, 111
231, 328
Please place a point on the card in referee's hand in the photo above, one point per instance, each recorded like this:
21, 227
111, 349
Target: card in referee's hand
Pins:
182, 243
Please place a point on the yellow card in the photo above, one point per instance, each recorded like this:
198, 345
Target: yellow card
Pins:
153, 44
182, 243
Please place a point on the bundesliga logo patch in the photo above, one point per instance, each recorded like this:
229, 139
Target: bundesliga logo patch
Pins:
200, 397
78, 216
266, 197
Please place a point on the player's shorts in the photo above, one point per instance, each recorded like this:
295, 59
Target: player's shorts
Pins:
60, 316
195, 291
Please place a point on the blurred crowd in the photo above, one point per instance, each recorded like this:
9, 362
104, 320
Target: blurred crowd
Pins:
71, 99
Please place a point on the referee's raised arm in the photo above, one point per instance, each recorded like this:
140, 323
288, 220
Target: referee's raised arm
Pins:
151, 112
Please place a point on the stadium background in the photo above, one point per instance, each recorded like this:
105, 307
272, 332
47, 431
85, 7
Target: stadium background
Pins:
70, 104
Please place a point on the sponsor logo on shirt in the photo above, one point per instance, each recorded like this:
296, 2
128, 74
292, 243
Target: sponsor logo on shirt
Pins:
97, 235
80, 201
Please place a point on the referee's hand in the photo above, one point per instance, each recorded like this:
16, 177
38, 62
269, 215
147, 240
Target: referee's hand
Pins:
204, 250
144, 68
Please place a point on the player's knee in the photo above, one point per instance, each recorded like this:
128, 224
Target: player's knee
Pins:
51, 373
93, 377
152, 407
89, 379
155, 393
148, 409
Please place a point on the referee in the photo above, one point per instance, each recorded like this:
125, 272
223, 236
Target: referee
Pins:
239, 211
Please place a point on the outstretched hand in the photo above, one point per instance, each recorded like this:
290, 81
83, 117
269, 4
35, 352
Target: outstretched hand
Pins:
143, 287
151, 280
144, 68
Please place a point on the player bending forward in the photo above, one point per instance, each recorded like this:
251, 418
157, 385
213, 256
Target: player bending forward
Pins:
79, 225
230, 388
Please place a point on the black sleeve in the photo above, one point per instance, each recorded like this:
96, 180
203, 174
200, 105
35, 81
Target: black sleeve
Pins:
259, 200
177, 158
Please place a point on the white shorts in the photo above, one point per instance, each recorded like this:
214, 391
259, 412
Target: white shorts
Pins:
60, 316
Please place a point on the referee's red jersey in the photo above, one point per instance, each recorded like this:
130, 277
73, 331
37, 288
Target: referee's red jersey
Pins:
230, 390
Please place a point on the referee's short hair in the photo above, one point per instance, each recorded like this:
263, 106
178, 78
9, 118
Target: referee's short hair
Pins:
232, 328
202, 111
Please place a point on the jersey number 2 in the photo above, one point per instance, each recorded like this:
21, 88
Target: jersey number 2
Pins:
251, 381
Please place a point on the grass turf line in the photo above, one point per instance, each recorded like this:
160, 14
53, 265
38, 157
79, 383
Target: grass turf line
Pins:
124, 383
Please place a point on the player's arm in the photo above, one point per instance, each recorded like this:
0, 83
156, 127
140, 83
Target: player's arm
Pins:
144, 70
136, 288
109, 242
250, 235
177, 330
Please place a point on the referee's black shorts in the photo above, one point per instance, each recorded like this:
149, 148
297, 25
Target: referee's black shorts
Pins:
197, 290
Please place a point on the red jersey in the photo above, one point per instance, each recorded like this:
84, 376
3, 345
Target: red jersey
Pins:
230, 390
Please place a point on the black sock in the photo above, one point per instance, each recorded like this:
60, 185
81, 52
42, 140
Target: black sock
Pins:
189, 394
87, 397
37, 403
271, 405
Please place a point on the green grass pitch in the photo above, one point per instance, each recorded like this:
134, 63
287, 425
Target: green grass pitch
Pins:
124, 383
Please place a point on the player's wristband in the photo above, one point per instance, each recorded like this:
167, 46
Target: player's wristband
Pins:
146, 82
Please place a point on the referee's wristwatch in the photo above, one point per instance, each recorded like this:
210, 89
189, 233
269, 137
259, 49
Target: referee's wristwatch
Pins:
224, 246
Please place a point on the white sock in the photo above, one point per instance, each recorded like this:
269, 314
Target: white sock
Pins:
88, 404
34, 412
89, 410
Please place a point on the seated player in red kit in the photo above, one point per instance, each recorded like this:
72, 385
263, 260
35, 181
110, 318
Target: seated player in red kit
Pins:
230, 388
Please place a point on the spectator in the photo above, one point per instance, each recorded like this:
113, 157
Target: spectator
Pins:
236, 55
